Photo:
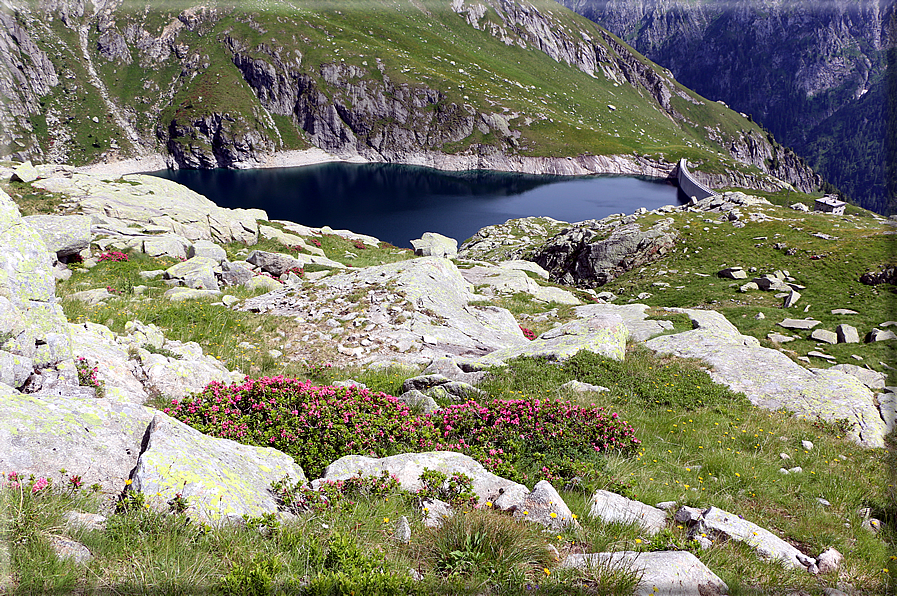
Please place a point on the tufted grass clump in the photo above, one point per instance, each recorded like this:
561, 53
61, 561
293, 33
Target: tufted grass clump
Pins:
489, 544
319, 424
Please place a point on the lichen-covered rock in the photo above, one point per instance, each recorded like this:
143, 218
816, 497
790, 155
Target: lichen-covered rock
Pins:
27, 291
142, 199
613, 508
210, 250
408, 467
605, 335
575, 257
717, 522
770, 379
503, 280
15, 369
228, 481
675, 573
64, 235
197, 273
98, 439
175, 377
120, 375
166, 245
432, 244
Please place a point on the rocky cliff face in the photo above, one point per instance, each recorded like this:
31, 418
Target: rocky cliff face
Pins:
793, 66
443, 84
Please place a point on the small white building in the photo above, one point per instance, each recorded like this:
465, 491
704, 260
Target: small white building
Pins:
830, 204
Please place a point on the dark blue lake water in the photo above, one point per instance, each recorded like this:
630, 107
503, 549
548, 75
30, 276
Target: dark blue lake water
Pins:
398, 203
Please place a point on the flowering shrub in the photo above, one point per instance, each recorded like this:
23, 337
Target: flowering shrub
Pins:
33, 486
112, 256
297, 270
360, 245
528, 333
316, 242
87, 376
300, 497
317, 425
507, 436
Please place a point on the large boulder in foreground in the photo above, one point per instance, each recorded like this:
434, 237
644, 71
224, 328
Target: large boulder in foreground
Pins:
98, 439
408, 467
32, 323
771, 380
222, 480
675, 573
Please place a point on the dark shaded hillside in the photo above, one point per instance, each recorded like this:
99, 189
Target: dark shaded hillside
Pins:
810, 72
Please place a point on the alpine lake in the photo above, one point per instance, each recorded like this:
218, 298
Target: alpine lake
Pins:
397, 203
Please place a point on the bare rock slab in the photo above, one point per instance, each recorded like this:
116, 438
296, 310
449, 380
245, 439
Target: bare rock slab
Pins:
772, 380
673, 573
227, 481
825, 336
98, 439
605, 335
769, 546
798, 323
613, 508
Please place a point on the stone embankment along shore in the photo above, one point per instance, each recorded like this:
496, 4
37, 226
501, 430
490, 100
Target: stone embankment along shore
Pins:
582, 165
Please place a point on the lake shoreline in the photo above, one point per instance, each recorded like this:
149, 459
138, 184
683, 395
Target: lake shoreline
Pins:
583, 165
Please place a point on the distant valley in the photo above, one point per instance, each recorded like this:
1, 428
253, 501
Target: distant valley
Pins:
813, 73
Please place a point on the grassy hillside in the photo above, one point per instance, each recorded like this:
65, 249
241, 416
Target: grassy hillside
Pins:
388, 71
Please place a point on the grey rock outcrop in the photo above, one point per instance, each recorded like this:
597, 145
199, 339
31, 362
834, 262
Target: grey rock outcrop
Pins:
65, 235
33, 324
131, 372
491, 280
574, 258
772, 380
675, 573
605, 335
274, 263
197, 273
431, 244
718, 523
613, 508
407, 302
229, 480
870, 378
98, 439
142, 199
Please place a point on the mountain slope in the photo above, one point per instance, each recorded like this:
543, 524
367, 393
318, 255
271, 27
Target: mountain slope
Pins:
809, 71
501, 84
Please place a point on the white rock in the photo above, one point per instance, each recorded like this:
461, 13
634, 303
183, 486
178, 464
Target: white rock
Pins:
676, 573
613, 508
